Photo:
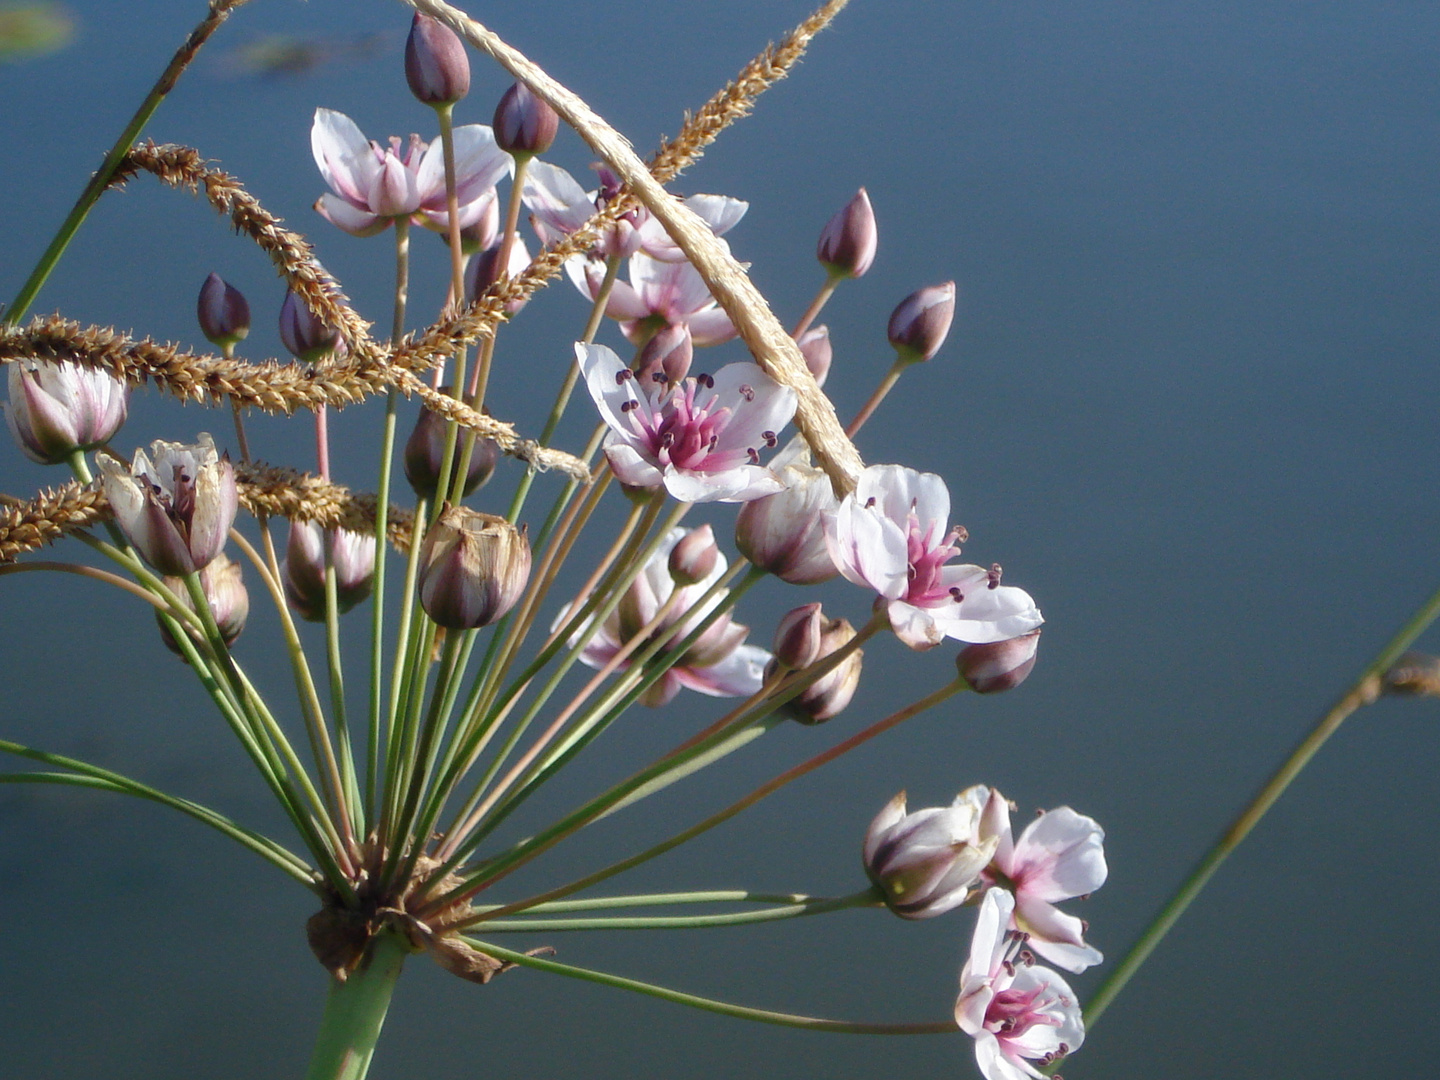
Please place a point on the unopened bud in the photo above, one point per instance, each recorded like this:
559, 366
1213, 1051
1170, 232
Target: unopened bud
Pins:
694, 557
797, 637
847, 243
484, 232
58, 407
827, 696
225, 592
425, 453
920, 322
306, 335
998, 665
223, 314
473, 568
436, 66
784, 533
665, 359
815, 348
927, 863
524, 125
351, 553
484, 271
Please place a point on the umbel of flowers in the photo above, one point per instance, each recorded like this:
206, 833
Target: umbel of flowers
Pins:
484, 614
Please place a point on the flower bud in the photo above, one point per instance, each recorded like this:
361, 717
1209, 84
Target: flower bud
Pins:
351, 553
484, 271
425, 453
223, 314
998, 665
524, 125
225, 592
58, 407
847, 243
307, 336
919, 323
484, 232
797, 637
784, 533
815, 348
473, 568
925, 863
827, 696
175, 505
694, 556
436, 66
665, 359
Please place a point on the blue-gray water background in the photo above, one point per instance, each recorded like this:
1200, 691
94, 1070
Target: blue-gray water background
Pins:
1190, 403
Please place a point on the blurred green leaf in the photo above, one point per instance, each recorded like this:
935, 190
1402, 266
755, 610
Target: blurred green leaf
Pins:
34, 30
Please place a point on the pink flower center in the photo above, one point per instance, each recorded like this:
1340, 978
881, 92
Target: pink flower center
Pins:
684, 429
927, 559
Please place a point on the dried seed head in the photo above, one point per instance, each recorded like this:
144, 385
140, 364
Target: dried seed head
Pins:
473, 568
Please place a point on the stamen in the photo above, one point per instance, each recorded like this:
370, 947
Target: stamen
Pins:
753, 455
1009, 967
629, 406
747, 392
667, 440
956, 594
994, 575
870, 503
659, 377
623, 376
770, 438
1027, 957
705, 380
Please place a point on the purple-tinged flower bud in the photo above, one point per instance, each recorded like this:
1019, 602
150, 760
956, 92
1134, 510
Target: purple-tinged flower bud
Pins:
784, 533
175, 505
665, 358
306, 335
58, 407
425, 453
225, 592
815, 348
484, 271
927, 862
436, 66
694, 556
998, 665
919, 323
827, 697
524, 125
223, 314
797, 637
351, 553
473, 568
847, 243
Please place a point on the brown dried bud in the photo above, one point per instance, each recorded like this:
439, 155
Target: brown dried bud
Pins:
436, 66
473, 568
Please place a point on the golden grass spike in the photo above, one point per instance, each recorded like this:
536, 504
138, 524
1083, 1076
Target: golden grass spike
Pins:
768, 341
270, 385
182, 166
737, 98
30, 525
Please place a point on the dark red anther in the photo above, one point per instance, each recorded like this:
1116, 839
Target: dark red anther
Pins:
747, 392
870, 503
994, 575
753, 455
708, 381
769, 437
623, 376
629, 406
956, 594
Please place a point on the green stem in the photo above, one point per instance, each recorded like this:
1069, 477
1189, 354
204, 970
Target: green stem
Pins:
219, 12
708, 896
867, 898
355, 1012
1362, 691
740, 1012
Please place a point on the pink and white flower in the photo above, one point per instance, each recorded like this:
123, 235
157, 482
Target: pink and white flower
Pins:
658, 294
719, 663
700, 438
1059, 856
1016, 1010
926, 862
559, 206
891, 534
371, 185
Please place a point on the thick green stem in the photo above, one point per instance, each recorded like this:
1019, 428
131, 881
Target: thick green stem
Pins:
1362, 692
355, 1012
